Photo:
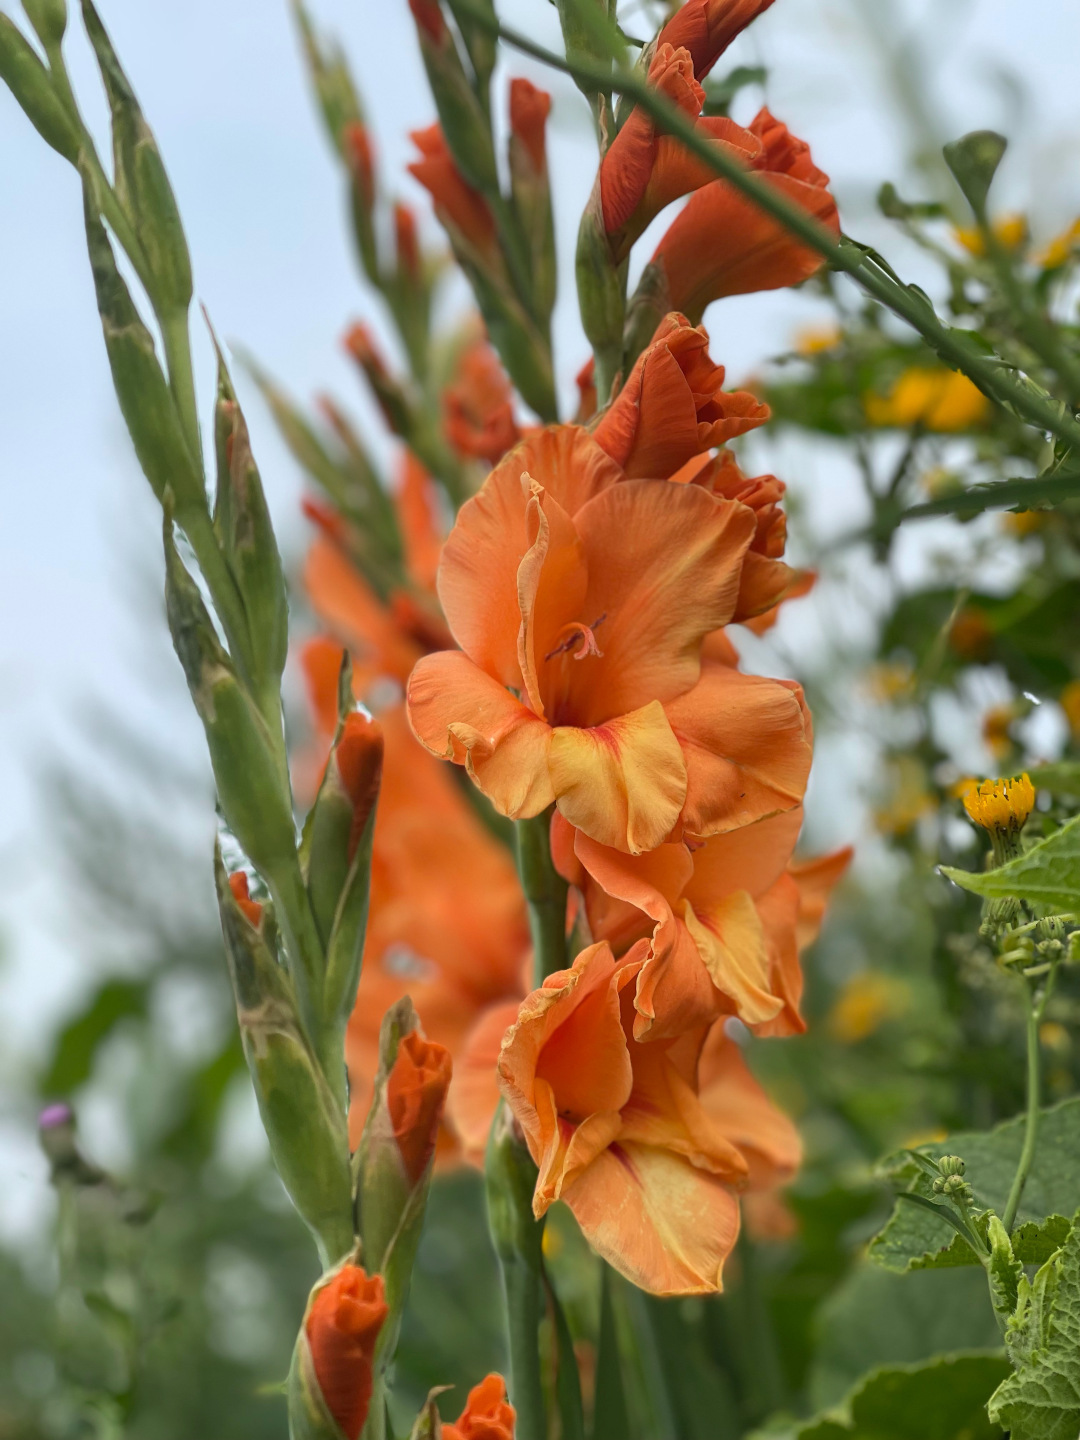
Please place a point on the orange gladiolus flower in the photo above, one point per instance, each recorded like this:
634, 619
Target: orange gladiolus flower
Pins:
673, 407
644, 170
707, 27
488, 1415
415, 1096
478, 410
618, 1130
719, 920
343, 1327
617, 721
462, 210
722, 244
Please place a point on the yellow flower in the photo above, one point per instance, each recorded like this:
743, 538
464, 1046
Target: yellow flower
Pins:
1024, 522
1010, 231
816, 339
1001, 806
938, 399
890, 680
1069, 700
1054, 1036
1060, 248
864, 1004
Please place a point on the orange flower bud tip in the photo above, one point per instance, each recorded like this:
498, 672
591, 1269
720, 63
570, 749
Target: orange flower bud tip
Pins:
359, 756
343, 1327
320, 660
529, 110
238, 884
415, 1098
356, 144
488, 1415
1000, 806
429, 18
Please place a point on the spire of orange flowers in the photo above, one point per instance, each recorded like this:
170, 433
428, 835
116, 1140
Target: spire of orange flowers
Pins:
415, 1096
488, 1415
672, 407
618, 1130
343, 1327
459, 207
722, 244
707, 27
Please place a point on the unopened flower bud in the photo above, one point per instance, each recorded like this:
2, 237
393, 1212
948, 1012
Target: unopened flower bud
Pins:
29, 81
951, 1165
49, 19
488, 1414
360, 343
415, 1098
407, 244
332, 1375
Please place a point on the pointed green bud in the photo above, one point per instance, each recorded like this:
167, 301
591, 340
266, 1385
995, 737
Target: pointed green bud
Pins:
141, 388
49, 19
140, 182
246, 535
973, 160
331, 1378
305, 1126
510, 1173
251, 783
601, 285
397, 1149
480, 44
31, 84
335, 853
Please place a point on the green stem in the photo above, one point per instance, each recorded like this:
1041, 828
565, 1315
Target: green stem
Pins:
1029, 401
1031, 1130
516, 1235
177, 345
545, 894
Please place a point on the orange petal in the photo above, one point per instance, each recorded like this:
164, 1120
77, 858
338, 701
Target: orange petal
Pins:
779, 912
622, 783
417, 507
657, 1219
720, 243
474, 1089
747, 745
751, 858
672, 578
815, 880
736, 1103
731, 941
459, 713
677, 172
551, 585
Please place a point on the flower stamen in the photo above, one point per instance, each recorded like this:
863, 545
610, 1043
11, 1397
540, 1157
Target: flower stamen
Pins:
580, 635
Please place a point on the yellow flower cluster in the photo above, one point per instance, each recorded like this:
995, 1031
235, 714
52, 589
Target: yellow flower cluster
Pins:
938, 399
1000, 804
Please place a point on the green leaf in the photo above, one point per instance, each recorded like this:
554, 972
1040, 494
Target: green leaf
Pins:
78, 1043
1042, 1400
973, 160
943, 1399
875, 1317
914, 1239
1047, 874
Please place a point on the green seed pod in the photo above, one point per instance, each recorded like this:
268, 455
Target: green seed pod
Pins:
31, 84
